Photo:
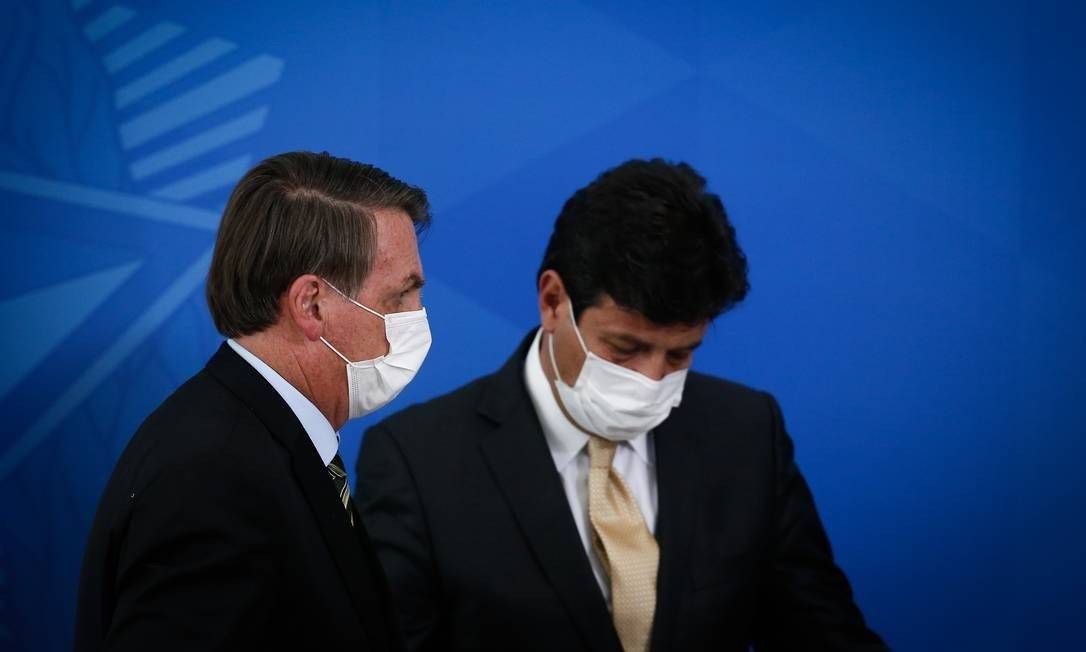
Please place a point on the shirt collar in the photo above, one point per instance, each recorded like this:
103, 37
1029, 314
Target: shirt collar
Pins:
325, 439
564, 439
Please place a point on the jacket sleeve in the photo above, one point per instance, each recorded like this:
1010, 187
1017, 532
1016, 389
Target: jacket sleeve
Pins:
387, 498
809, 604
196, 569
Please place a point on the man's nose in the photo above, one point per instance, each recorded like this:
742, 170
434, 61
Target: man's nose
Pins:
653, 365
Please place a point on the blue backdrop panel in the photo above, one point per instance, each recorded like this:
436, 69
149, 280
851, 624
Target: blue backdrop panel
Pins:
907, 181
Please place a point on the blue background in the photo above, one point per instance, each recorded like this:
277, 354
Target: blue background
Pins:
907, 182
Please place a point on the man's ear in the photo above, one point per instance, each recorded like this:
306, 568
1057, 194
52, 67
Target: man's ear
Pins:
552, 294
303, 305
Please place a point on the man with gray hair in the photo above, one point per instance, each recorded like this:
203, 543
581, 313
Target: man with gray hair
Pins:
228, 521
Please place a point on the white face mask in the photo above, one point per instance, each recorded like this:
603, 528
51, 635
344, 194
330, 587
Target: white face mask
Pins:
612, 401
371, 384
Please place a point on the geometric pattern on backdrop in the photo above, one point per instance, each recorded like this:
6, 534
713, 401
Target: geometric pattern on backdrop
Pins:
150, 115
121, 132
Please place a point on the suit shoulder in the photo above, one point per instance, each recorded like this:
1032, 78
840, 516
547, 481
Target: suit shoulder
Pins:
705, 385
201, 409
440, 411
727, 401
444, 427
202, 424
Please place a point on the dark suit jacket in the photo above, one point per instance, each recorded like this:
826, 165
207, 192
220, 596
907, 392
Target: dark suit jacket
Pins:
220, 529
463, 502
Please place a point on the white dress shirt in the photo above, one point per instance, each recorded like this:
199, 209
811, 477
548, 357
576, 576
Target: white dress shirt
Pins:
324, 437
635, 460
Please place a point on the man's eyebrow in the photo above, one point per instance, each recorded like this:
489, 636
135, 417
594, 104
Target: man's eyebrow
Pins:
413, 281
626, 338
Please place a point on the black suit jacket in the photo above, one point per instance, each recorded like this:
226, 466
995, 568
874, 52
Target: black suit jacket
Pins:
464, 504
220, 529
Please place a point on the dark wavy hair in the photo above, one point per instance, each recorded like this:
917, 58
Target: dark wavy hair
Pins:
649, 235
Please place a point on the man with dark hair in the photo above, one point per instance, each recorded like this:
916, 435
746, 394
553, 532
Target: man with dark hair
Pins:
227, 522
594, 493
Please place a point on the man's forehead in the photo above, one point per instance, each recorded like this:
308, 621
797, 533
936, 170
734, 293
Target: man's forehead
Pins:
396, 266
395, 230
397, 244
612, 320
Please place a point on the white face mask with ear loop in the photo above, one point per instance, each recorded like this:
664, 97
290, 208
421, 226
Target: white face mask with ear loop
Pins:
372, 384
614, 402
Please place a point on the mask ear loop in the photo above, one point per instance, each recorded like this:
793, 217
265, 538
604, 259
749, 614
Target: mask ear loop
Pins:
554, 363
335, 350
550, 346
573, 320
550, 343
367, 309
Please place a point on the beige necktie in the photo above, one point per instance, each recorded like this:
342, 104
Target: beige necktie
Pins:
625, 546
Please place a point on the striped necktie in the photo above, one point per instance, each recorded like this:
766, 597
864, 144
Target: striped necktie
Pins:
339, 478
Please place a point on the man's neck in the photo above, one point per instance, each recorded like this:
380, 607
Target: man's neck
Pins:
293, 361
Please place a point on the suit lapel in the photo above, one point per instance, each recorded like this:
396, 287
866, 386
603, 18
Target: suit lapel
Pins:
677, 482
517, 454
348, 549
